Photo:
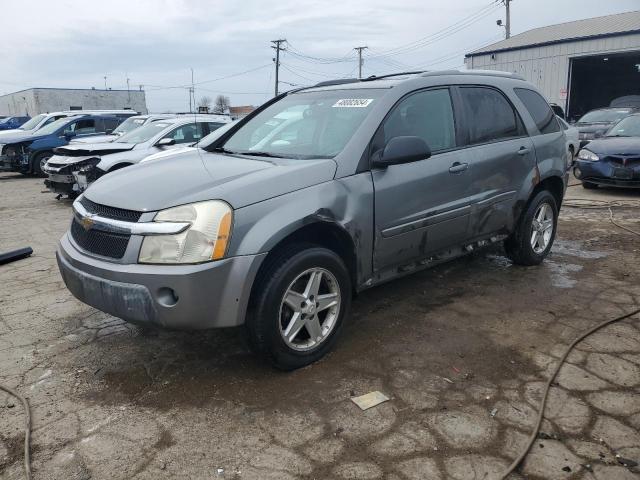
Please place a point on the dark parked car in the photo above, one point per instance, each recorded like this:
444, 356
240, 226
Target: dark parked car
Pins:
613, 159
27, 152
278, 228
595, 123
9, 123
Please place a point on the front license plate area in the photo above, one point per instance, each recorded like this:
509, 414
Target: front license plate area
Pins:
623, 173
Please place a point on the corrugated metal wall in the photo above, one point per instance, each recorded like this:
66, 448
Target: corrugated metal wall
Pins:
548, 66
39, 100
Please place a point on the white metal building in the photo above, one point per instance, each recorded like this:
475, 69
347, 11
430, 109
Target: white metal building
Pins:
41, 100
578, 65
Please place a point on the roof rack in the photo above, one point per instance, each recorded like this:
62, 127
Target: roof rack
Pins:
378, 77
490, 73
340, 81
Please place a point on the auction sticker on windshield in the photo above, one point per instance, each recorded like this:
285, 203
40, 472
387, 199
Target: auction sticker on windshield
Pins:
353, 103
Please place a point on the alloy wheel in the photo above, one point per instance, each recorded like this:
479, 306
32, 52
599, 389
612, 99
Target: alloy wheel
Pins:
309, 309
542, 228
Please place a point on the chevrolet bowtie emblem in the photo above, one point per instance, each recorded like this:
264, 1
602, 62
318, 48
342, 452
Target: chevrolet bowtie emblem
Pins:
87, 222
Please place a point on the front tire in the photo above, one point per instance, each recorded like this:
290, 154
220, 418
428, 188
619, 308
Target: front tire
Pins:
302, 297
532, 240
38, 163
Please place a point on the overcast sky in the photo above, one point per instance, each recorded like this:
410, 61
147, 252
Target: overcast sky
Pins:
154, 43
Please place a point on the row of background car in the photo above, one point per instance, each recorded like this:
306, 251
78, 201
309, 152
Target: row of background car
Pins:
75, 166
10, 123
26, 148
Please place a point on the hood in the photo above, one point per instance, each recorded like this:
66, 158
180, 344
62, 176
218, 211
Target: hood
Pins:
195, 176
94, 139
83, 149
168, 153
622, 146
18, 136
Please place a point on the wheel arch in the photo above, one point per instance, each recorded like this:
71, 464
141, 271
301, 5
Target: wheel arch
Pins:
327, 234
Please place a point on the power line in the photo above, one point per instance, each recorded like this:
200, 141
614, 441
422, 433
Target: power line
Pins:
445, 32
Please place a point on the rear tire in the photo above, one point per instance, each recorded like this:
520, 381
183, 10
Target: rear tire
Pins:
531, 242
589, 185
272, 322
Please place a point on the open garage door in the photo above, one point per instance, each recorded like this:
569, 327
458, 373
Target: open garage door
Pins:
597, 80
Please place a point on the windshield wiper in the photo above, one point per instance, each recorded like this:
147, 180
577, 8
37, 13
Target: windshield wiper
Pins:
618, 135
224, 150
260, 154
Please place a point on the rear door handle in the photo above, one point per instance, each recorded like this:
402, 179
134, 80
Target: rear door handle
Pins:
458, 167
523, 151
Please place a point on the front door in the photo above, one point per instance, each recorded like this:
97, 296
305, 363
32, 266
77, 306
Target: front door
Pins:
420, 207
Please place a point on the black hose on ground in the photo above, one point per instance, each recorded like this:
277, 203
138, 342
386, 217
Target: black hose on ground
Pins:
27, 429
534, 434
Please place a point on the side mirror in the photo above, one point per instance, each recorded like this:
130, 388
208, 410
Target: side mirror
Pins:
109, 131
402, 150
165, 142
69, 134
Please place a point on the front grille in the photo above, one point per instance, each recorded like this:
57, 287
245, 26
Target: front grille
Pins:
110, 212
625, 161
106, 244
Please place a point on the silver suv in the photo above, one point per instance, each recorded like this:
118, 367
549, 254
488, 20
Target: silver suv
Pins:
319, 194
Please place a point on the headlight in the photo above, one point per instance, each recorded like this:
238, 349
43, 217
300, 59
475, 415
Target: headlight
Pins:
205, 240
88, 165
588, 155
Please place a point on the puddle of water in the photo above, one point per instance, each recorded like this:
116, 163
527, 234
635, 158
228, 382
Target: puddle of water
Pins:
560, 273
575, 249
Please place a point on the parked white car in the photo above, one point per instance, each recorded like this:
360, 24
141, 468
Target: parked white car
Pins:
44, 119
74, 167
573, 140
127, 126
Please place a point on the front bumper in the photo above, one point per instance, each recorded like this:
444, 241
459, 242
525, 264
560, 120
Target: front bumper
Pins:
63, 184
9, 164
209, 295
607, 174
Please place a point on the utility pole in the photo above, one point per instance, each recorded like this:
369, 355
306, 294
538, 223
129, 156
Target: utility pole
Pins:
192, 94
360, 61
507, 26
277, 47
128, 91
105, 82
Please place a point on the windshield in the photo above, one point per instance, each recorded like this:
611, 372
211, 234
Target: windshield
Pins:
143, 133
128, 125
627, 127
53, 126
31, 124
605, 116
305, 125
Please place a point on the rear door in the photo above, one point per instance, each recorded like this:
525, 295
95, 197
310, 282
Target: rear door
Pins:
500, 154
420, 207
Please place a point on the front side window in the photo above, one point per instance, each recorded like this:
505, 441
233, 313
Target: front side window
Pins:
427, 114
539, 110
489, 116
189, 133
55, 126
82, 127
305, 125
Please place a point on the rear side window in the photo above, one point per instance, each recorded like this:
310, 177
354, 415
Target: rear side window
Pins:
427, 114
539, 110
490, 117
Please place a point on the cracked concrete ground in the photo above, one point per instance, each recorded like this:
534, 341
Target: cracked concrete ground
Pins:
449, 346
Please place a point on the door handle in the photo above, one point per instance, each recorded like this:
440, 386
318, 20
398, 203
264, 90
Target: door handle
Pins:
523, 151
458, 167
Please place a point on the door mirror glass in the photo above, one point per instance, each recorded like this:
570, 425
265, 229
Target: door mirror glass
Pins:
165, 142
402, 150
